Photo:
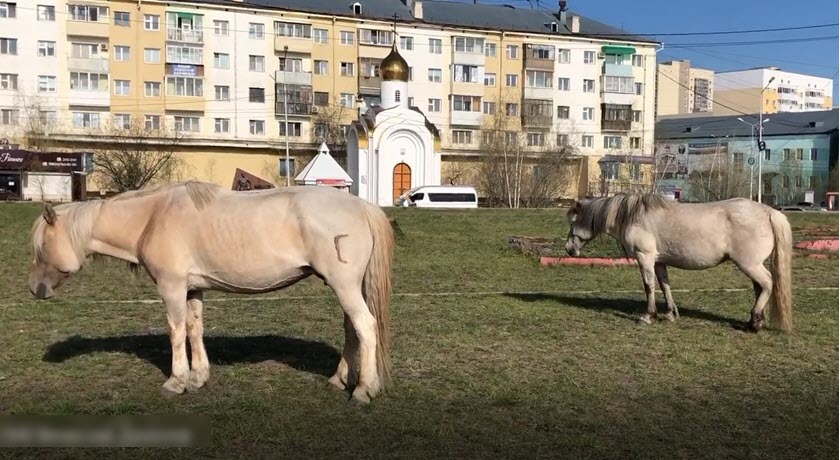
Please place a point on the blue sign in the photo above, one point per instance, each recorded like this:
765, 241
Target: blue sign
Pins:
182, 70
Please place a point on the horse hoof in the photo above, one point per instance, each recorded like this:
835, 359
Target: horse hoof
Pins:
360, 396
670, 317
336, 384
196, 380
752, 327
644, 321
174, 386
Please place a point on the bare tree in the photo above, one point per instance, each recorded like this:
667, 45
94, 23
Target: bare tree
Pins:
329, 126
721, 183
36, 123
135, 157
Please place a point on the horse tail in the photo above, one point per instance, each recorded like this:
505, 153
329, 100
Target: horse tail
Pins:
377, 287
780, 268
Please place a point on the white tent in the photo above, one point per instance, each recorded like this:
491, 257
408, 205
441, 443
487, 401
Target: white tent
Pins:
324, 170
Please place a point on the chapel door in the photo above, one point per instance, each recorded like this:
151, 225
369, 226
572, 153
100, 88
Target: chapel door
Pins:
402, 179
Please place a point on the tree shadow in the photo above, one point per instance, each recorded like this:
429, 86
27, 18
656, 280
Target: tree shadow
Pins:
304, 355
625, 308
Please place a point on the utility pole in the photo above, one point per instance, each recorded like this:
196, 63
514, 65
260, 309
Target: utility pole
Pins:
761, 137
286, 111
752, 152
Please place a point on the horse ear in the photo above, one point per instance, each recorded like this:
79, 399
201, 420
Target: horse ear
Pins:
575, 209
49, 214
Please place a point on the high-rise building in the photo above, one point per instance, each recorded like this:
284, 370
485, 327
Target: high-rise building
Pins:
751, 91
682, 89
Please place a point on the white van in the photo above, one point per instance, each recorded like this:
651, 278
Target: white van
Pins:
440, 196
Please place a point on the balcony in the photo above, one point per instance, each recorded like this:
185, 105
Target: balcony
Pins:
468, 58
87, 28
615, 125
295, 44
533, 63
88, 98
293, 78
369, 85
185, 35
459, 117
537, 121
295, 108
95, 65
617, 70
539, 92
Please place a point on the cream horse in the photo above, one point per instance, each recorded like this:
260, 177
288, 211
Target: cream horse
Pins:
660, 233
191, 237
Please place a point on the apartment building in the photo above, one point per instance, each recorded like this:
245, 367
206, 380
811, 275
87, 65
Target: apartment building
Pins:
771, 90
683, 89
223, 80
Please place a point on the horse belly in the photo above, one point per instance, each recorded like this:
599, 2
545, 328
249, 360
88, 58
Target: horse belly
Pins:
692, 260
249, 281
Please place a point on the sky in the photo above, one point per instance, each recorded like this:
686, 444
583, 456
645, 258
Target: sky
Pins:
818, 58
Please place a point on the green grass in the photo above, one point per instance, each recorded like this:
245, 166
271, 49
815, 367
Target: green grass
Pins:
566, 373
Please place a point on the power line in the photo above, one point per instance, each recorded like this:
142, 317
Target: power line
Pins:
755, 42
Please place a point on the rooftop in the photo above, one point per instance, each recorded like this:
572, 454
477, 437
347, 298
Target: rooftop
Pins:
779, 124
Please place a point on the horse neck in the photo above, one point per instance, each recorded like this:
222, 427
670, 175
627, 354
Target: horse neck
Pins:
119, 226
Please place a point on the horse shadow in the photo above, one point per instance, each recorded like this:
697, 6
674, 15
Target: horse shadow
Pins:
304, 355
625, 308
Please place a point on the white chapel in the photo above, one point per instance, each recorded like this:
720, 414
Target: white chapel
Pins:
392, 147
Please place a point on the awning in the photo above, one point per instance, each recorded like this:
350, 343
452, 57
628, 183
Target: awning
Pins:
610, 49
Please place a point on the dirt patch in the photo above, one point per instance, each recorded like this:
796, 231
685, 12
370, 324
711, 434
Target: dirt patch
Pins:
819, 245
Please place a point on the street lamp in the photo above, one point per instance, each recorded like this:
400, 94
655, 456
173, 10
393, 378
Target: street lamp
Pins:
761, 135
286, 111
752, 151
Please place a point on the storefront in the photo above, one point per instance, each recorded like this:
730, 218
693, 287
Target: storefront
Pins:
42, 176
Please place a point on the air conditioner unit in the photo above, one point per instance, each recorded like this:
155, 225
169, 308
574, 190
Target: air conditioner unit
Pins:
600, 55
315, 109
103, 47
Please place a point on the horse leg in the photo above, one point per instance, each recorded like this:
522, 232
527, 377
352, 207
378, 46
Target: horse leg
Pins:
763, 286
345, 373
350, 296
649, 280
662, 276
175, 299
195, 330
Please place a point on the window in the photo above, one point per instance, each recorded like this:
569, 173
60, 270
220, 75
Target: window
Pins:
122, 120
812, 182
434, 105
465, 103
346, 100
290, 29
221, 93
187, 124
122, 87
637, 116
85, 81
84, 50
320, 36
8, 116
461, 137
347, 38
287, 167
541, 52
8, 81
184, 86
347, 69
86, 13
85, 120
588, 57
375, 37
587, 141
562, 139
435, 75
411, 74
639, 89
221, 28
612, 142
46, 13
407, 43
256, 94
489, 108
588, 113
122, 53
465, 73
800, 154
7, 10
256, 63
512, 109
490, 49
122, 19
623, 85
512, 52
46, 83
221, 60
564, 56
295, 129
588, 86
635, 171
638, 60
256, 30
511, 80
563, 84
321, 67
788, 154
797, 181
814, 154
46, 49
221, 125
617, 59
48, 117
635, 142
397, 96
256, 127
291, 65
151, 89
8, 46
489, 79
152, 122
435, 46
151, 55
535, 139
469, 45
563, 112
322, 99
539, 79
151, 22
766, 154
411, 102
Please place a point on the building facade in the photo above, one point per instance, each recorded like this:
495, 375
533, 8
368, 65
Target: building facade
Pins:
231, 84
683, 89
743, 91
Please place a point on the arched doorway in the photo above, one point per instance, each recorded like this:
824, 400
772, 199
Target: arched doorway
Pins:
402, 179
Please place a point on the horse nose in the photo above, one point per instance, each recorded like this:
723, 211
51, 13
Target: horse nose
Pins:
42, 292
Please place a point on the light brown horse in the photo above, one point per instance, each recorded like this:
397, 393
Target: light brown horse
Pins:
660, 233
191, 237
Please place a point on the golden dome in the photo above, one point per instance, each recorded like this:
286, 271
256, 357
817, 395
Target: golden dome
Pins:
393, 67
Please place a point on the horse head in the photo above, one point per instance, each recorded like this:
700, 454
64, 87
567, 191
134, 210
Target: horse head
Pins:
580, 231
55, 258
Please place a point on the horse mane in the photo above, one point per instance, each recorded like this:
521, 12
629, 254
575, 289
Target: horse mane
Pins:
78, 225
200, 193
620, 211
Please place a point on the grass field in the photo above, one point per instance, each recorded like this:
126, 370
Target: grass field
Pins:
497, 356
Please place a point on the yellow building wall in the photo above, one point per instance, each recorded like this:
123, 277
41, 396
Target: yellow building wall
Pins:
511, 66
219, 167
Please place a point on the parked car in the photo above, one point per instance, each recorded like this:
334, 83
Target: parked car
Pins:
802, 206
439, 196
